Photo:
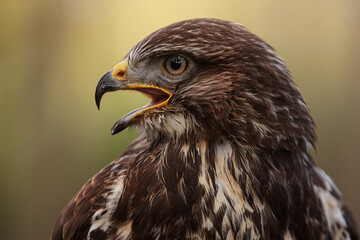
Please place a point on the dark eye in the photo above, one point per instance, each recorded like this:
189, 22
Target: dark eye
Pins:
176, 65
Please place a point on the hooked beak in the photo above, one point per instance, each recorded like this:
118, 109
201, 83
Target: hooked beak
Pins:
113, 80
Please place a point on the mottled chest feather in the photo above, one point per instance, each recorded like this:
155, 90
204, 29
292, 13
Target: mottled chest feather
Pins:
208, 190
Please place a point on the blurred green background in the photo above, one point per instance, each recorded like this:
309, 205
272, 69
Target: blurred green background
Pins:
53, 53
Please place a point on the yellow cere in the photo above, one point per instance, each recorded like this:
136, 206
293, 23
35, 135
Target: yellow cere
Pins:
120, 70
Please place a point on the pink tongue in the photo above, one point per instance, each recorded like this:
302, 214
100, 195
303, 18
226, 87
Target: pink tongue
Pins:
157, 96
151, 91
157, 99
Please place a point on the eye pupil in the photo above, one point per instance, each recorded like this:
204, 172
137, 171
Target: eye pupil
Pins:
175, 63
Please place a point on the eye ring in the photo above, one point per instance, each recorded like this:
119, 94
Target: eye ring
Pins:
175, 65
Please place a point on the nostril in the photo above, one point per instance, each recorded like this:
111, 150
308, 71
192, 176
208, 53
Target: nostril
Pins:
119, 71
120, 74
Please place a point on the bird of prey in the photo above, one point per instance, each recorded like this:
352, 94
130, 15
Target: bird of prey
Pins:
223, 151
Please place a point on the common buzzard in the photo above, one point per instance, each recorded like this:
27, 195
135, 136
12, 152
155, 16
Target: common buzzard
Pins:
223, 151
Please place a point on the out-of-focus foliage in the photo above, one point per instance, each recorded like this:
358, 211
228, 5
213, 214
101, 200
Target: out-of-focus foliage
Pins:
53, 52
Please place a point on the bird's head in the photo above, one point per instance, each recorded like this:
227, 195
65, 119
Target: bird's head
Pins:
214, 79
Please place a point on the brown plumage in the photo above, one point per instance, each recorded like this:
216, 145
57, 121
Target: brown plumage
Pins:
223, 151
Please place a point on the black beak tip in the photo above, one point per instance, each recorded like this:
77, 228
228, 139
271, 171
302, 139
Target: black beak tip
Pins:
98, 96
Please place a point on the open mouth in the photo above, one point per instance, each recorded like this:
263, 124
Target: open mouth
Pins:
159, 97
113, 80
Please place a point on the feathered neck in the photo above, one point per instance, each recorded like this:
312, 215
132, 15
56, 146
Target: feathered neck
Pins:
213, 183
254, 163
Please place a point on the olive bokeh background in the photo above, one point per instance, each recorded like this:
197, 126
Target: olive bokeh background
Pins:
52, 137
